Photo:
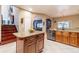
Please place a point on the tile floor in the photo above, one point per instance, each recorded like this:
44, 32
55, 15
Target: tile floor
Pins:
55, 47
50, 47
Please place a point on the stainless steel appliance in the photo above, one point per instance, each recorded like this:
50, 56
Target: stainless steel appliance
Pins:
51, 35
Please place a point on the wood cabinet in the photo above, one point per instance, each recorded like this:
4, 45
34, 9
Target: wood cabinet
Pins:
77, 39
31, 44
59, 36
30, 48
39, 46
73, 39
65, 38
40, 43
70, 38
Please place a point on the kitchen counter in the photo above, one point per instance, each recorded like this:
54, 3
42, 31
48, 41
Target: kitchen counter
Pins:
69, 30
26, 34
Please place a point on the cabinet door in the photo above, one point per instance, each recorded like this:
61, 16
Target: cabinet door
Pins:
73, 41
59, 36
78, 40
30, 48
66, 37
39, 45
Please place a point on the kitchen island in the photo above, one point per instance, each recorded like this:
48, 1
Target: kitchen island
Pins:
29, 42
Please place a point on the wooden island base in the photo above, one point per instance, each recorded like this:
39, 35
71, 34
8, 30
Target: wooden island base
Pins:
30, 44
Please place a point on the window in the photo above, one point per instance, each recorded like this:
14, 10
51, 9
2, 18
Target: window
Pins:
63, 24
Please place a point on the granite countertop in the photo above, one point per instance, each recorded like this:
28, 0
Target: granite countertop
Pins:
26, 34
67, 30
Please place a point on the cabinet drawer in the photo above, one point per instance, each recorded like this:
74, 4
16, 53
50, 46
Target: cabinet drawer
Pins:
73, 34
58, 33
66, 34
40, 37
30, 39
39, 45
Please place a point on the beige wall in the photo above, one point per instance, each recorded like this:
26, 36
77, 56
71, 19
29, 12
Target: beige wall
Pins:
28, 20
44, 17
74, 21
21, 26
16, 16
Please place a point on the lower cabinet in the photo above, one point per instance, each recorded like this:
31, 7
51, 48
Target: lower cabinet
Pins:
39, 45
30, 48
65, 38
31, 44
70, 38
59, 36
73, 39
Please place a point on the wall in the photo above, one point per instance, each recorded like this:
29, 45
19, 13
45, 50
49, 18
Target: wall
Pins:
74, 21
43, 16
28, 20
16, 16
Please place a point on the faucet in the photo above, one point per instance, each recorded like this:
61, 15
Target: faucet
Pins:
63, 26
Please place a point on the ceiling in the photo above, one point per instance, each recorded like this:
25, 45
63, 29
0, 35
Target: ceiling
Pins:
52, 10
